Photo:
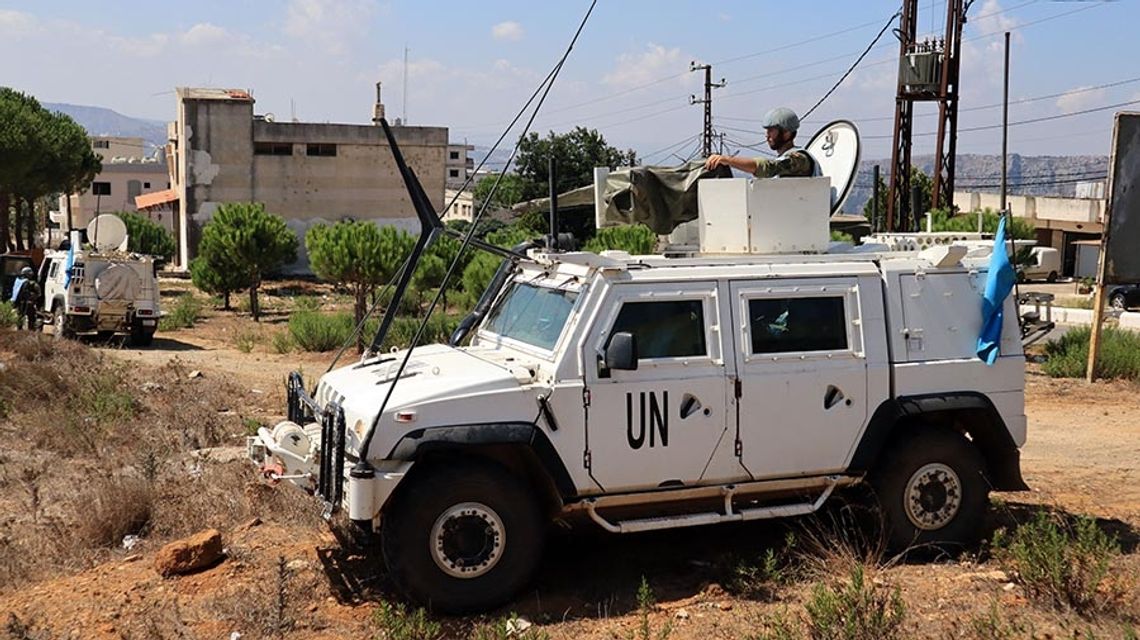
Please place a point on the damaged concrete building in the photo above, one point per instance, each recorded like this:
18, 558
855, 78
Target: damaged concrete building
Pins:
305, 172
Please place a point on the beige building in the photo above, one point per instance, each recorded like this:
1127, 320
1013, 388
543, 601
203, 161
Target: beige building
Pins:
1061, 223
128, 172
459, 164
307, 173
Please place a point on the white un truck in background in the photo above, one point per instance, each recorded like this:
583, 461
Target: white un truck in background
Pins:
101, 289
642, 393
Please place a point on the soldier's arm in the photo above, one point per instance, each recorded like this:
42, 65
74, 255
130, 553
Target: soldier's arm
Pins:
794, 165
747, 165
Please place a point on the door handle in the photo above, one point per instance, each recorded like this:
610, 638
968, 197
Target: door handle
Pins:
691, 404
833, 396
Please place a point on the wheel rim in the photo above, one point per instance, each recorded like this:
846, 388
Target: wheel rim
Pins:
58, 324
1118, 302
933, 496
467, 540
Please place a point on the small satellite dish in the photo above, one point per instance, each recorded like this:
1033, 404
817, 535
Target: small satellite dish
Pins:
836, 150
107, 232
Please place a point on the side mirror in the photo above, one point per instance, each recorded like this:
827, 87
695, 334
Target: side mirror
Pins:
621, 354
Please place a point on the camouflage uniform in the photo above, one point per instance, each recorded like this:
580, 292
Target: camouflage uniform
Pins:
794, 163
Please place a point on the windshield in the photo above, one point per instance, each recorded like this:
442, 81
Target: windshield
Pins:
531, 314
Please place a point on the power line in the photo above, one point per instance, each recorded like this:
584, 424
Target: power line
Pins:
991, 127
737, 82
855, 64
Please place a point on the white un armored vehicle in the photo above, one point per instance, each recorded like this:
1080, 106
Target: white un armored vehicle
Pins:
101, 288
647, 392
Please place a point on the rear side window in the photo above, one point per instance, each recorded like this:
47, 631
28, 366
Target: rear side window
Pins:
666, 329
54, 269
787, 325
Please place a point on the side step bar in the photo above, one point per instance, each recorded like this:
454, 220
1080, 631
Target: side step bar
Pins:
730, 513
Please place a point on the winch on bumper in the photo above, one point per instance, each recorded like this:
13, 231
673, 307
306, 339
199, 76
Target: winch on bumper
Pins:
313, 457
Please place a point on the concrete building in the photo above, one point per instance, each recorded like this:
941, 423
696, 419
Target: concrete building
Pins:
459, 164
1061, 223
462, 205
307, 173
127, 173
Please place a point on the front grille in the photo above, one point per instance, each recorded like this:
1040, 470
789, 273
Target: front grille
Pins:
330, 484
303, 409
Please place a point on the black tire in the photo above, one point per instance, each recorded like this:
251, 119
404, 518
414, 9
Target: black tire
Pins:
464, 499
141, 336
60, 326
1052, 277
1021, 276
917, 480
1118, 302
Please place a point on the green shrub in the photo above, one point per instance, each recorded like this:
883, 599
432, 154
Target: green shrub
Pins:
645, 603
395, 622
761, 577
1068, 356
634, 239
145, 236
282, 342
313, 331
246, 339
186, 312
506, 629
1062, 566
855, 609
995, 626
8, 316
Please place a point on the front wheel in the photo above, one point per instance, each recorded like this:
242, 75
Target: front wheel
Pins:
61, 327
1118, 302
932, 490
462, 538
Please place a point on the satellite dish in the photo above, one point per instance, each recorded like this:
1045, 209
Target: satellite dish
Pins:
107, 232
835, 149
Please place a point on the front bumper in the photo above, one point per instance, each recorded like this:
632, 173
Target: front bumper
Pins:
313, 457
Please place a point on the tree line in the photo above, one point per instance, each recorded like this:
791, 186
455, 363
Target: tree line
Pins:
42, 153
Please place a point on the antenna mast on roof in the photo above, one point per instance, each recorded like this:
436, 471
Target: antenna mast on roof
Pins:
405, 85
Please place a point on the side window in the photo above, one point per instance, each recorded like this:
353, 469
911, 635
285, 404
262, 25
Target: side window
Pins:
666, 329
783, 325
54, 270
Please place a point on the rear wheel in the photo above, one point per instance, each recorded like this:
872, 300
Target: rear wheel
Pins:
1118, 302
1052, 277
932, 490
142, 336
463, 537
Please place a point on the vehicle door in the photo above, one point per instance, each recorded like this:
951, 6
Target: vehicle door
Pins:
52, 279
803, 374
657, 425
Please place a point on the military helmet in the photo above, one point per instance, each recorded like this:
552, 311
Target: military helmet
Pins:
783, 118
27, 272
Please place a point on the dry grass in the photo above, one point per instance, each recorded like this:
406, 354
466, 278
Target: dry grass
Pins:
109, 509
95, 451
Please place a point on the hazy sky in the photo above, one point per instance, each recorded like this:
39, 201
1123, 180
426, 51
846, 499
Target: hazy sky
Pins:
472, 64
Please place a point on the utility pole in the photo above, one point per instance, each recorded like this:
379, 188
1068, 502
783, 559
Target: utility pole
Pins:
1005, 127
707, 135
928, 72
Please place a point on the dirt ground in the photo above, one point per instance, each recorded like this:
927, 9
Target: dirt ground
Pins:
287, 574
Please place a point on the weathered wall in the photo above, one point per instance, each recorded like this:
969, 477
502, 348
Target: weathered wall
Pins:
217, 163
